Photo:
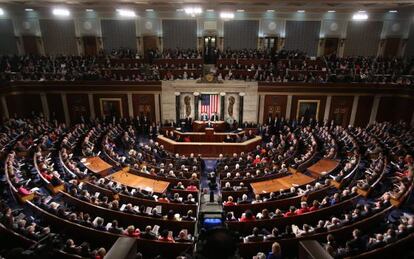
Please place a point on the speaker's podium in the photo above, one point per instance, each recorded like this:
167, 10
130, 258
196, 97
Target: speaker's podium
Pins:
201, 126
209, 134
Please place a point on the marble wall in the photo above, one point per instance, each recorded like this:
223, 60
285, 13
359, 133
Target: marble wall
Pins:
231, 88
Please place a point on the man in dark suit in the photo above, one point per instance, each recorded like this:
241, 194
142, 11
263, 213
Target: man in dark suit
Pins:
188, 123
148, 234
270, 119
214, 117
357, 244
204, 117
115, 229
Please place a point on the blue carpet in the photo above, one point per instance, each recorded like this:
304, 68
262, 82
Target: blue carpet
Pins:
210, 167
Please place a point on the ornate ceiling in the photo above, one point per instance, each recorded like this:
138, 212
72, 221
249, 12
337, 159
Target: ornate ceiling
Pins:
222, 5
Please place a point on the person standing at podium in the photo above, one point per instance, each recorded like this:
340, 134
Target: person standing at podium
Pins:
214, 117
204, 117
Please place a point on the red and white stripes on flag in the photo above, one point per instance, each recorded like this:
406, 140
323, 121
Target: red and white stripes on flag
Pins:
209, 103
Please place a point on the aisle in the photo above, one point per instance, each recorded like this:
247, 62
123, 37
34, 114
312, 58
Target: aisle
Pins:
210, 167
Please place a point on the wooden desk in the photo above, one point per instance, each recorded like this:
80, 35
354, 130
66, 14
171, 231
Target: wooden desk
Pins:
323, 167
282, 183
208, 149
208, 136
135, 181
200, 126
96, 165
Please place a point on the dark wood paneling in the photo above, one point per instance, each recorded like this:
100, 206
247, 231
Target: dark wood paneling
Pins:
97, 102
78, 105
90, 45
341, 107
144, 104
391, 47
81, 86
331, 46
395, 109
31, 44
296, 98
1, 113
364, 110
149, 43
274, 105
24, 105
54, 102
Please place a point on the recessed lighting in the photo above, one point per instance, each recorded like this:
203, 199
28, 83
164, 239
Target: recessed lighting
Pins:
393, 11
28, 10
301, 11
193, 11
126, 13
210, 10
331, 11
61, 12
149, 10
360, 17
270, 11
1, 11
362, 11
180, 10
226, 15
89, 10
240, 10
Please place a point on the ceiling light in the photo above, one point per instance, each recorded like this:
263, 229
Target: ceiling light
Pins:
180, 10
362, 11
360, 17
193, 11
28, 10
270, 11
1, 11
89, 10
61, 12
301, 11
226, 15
331, 11
393, 11
126, 13
210, 10
240, 10
149, 10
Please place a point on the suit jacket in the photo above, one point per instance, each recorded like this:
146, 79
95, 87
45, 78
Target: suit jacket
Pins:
214, 117
204, 117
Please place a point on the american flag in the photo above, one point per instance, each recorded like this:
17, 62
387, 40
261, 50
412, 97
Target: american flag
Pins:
209, 103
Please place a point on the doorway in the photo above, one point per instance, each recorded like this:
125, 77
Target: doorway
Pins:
270, 43
331, 46
30, 44
391, 47
210, 44
150, 44
90, 46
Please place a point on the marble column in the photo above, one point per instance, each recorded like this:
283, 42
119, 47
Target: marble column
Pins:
157, 108
222, 104
5, 108
261, 107
374, 109
177, 107
65, 108
412, 120
196, 98
241, 106
288, 107
354, 110
45, 105
327, 108
130, 105
91, 106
